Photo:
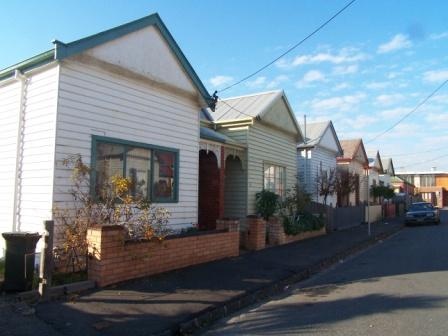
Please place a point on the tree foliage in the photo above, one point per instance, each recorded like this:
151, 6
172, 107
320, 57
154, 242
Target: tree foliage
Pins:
382, 191
266, 203
326, 183
346, 182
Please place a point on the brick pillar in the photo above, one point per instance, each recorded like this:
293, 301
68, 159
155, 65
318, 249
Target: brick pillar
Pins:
256, 233
104, 242
276, 231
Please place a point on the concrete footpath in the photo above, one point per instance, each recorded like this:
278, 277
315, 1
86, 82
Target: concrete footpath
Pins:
180, 302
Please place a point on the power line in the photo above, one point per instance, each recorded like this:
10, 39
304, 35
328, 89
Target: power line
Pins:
292, 48
410, 112
233, 108
415, 153
426, 161
239, 111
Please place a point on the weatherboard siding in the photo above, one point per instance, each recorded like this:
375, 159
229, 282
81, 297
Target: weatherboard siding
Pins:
96, 102
37, 173
235, 189
317, 159
266, 145
9, 110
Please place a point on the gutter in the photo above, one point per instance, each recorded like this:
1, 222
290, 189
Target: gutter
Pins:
19, 76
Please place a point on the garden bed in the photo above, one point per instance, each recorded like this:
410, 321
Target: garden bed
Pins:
277, 235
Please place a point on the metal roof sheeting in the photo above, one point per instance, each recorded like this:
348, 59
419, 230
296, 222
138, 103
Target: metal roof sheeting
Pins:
245, 107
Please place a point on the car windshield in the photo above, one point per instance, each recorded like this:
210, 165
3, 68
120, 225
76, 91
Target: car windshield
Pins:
421, 207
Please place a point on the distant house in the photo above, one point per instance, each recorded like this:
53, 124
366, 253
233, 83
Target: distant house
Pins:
252, 141
375, 169
127, 96
354, 160
316, 158
401, 186
431, 185
388, 172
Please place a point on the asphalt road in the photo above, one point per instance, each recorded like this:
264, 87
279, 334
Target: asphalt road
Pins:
398, 287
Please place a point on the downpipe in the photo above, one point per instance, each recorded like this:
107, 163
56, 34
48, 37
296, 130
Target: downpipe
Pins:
19, 76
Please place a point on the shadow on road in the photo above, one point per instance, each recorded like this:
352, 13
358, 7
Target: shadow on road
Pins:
292, 319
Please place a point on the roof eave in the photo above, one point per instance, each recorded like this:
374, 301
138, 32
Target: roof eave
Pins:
31, 63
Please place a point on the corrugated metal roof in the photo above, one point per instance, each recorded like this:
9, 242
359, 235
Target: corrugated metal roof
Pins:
349, 147
244, 107
314, 132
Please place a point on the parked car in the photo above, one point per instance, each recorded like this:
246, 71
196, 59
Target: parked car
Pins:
422, 213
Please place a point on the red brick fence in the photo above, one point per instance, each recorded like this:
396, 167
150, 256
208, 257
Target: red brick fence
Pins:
114, 259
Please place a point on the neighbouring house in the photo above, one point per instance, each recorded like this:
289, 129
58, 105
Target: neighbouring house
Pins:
316, 159
404, 191
354, 160
128, 95
431, 185
401, 186
251, 142
375, 169
388, 172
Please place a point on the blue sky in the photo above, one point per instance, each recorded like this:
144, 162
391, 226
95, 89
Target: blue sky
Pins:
364, 71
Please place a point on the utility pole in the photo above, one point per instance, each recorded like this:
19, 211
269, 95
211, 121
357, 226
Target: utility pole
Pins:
368, 202
306, 153
46, 260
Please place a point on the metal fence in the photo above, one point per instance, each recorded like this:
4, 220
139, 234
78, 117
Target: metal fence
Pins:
338, 218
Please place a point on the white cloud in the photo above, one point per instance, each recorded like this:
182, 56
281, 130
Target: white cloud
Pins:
361, 121
342, 103
345, 70
395, 112
392, 75
439, 36
220, 80
341, 86
277, 81
435, 76
398, 42
440, 98
437, 118
345, 55
389, 99
257, 82
377, 85
313, 76
309, 78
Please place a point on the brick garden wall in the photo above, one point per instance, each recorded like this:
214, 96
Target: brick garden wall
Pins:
277, 235
114, 260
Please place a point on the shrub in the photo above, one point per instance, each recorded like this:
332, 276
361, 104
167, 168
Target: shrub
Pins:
303, 222
266, 203
113, 206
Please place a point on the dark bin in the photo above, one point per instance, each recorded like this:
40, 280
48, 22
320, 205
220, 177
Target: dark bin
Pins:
19, 260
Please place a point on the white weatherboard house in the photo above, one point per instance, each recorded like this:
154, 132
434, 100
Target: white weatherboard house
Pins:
127, 95
316, 157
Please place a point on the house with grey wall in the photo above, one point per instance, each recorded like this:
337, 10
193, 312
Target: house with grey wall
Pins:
316, 159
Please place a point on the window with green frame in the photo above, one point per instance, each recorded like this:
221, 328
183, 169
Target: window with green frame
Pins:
152, 170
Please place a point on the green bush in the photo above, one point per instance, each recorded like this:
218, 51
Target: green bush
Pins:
266, 203
303, 222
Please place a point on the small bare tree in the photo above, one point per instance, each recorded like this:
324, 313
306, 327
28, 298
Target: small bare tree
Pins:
345, 183
326, 183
